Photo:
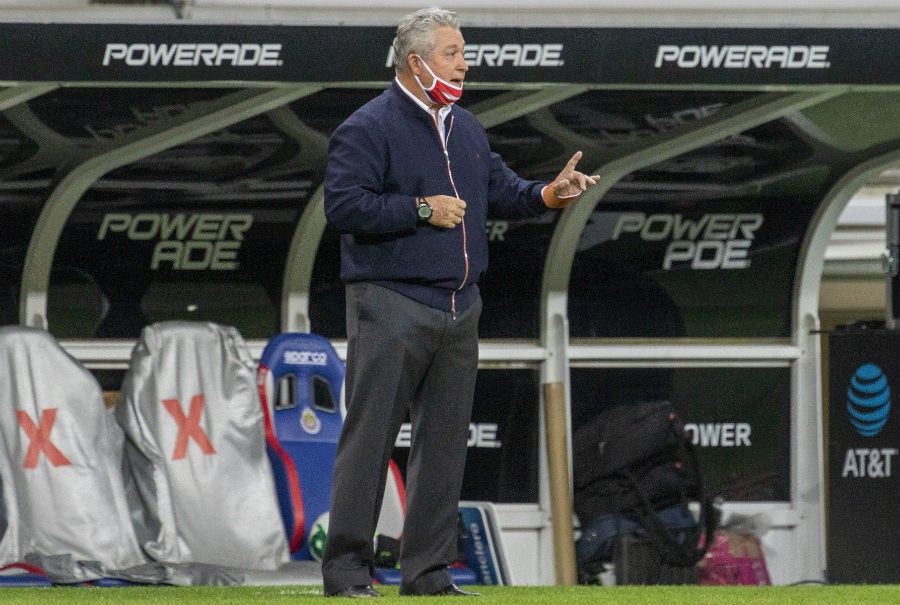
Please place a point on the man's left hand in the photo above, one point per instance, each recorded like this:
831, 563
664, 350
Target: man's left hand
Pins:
568, 185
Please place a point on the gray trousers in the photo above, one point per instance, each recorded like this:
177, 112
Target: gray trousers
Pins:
402, 357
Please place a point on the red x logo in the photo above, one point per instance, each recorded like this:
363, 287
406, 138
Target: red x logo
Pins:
40, 438
188, 426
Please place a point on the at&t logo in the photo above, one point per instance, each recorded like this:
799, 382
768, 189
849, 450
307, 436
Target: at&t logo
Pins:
868, 404
868, 400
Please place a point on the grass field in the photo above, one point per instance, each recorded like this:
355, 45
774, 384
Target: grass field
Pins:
491, 595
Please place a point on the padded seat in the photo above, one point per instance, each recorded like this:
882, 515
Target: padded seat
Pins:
300, 378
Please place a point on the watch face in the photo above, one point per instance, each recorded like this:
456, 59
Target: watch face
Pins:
424, 212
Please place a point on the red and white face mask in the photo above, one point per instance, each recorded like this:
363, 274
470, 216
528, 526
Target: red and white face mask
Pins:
441, 91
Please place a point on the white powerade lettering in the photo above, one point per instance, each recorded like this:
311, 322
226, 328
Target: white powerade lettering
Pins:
500, 55
713, 241
692, 56
306, 358
188, 54
188, 241
515, 55
863, 462
481, 435
722, 434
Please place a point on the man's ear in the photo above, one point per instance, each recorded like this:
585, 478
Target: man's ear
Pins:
412, 62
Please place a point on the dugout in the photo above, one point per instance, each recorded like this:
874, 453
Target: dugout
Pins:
164, 161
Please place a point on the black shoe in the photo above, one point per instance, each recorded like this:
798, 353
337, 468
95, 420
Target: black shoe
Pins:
362, 591
453, 591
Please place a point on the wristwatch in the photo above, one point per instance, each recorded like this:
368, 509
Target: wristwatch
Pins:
423, 209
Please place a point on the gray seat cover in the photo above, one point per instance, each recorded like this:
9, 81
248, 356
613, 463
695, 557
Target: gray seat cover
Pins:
61, 461
202, 489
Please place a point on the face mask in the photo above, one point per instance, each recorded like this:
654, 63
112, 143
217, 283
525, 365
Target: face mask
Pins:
441, 91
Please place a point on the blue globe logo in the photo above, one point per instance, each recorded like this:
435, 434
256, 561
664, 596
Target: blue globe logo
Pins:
868, 400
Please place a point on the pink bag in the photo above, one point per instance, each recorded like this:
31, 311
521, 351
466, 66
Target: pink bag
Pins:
734, 559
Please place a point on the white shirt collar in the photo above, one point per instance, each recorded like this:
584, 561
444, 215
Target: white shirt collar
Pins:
441, 112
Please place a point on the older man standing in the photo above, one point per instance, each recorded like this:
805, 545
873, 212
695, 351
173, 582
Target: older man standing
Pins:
409, 184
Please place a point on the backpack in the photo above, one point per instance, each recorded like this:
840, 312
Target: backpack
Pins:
636, 474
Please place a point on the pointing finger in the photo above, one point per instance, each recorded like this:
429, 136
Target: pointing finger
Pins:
570, 165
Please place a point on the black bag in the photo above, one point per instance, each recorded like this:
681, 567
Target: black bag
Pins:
636, 560
633, 466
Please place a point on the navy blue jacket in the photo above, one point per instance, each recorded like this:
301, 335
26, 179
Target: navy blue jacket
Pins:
384, 156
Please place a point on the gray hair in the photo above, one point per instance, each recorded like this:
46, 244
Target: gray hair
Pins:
415, 33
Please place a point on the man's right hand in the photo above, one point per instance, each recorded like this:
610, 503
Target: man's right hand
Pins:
446, 211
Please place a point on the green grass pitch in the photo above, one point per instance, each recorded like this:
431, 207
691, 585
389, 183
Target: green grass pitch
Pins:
491, 595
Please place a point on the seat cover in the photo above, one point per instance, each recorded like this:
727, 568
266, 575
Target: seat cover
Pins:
202, 490
61, 461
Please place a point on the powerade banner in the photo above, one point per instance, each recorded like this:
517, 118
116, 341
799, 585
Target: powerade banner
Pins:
67, 52
863, 448
738, 419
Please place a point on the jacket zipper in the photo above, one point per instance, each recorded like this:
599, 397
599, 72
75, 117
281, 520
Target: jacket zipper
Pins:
456, 194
